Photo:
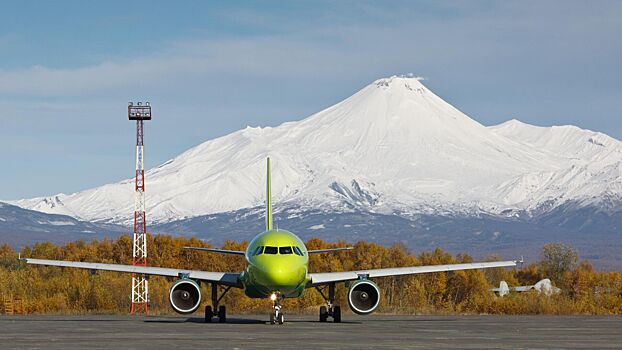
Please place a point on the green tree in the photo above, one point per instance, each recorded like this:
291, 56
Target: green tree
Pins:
557, 259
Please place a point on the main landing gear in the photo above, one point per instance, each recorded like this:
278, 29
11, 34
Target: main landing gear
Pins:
276, 316
221, 310
330, 310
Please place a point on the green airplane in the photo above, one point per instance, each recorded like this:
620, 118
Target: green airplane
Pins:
277, 268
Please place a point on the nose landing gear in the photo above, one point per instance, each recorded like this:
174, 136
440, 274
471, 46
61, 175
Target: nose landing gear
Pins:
276, 316
330, 310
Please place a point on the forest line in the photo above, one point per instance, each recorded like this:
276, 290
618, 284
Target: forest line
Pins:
73, 291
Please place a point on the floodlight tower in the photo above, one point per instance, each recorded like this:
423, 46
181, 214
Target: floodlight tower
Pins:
140, 283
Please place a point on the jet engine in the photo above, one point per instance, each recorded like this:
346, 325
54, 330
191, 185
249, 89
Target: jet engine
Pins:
185, 296
363, 297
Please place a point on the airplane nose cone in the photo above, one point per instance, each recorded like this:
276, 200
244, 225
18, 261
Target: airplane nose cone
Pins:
280, 277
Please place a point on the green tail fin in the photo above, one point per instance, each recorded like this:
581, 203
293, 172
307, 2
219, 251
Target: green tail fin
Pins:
268, 201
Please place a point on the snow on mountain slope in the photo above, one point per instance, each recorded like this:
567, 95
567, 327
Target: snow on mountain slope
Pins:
593, 170
393, 146
569, 141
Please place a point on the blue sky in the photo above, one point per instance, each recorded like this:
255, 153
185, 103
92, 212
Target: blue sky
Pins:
68, 69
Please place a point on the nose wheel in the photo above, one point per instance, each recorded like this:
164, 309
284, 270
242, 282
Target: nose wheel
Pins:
277, 318
277, 315
330, 310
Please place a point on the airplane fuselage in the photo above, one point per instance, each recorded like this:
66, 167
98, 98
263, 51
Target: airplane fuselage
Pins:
277, 262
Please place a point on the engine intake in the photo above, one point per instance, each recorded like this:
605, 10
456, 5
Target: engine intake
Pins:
363, 297
185, 296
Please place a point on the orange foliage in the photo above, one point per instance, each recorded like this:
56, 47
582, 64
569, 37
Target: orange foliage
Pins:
58, 290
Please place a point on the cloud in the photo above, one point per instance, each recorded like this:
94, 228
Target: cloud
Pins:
546, 63
499, 39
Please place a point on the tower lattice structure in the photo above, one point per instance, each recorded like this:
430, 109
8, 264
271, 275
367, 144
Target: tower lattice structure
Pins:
140, 282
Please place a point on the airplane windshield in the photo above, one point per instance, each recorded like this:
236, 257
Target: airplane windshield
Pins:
277, 250
297, 251
258, 250
271, 250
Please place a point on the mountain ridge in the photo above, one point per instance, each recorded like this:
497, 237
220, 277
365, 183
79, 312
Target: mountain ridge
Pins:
20, 227
392, 147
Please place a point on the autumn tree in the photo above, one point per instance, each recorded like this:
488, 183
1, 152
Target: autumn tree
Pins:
557, 259
58, 290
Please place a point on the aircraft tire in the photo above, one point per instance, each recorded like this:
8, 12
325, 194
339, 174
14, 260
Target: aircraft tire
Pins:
323, 313
222, 314
281, 319
337, 314
208, 314
272, 319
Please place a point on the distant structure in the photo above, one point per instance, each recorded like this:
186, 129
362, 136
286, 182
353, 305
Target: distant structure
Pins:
13, 306
543, 286
140, 283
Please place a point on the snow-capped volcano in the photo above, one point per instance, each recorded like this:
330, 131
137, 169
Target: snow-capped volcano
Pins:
393, 146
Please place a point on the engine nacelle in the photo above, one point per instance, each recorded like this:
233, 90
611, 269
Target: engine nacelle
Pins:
185, 296
363, 297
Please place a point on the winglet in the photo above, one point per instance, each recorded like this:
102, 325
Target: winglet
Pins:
521, 261
268, 199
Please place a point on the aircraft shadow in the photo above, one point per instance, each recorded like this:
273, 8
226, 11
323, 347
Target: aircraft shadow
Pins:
202, 320
236, 321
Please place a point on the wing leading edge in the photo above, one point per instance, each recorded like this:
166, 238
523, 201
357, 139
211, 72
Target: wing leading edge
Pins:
330, 277
216, 250
223, 278
328, 250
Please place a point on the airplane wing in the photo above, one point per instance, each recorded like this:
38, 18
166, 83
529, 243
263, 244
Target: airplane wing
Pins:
223, 278
330, 277
215, 250
316, 251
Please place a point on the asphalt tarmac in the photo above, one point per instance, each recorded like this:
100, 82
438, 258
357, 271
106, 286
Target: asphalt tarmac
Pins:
355, 332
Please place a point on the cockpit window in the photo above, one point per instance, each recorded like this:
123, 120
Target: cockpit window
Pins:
258, 250
297, 251
270, 250
285, 250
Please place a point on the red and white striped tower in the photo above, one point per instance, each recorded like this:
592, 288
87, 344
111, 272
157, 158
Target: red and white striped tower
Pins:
140, 284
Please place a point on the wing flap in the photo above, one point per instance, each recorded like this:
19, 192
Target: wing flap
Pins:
224, 278
329, 277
